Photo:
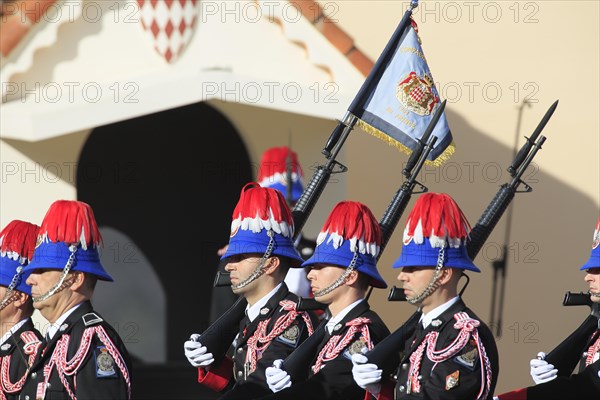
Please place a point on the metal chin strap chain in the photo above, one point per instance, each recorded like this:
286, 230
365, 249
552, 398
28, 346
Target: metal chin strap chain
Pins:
8, 296
594, 294
60, 285
259, 270
433, 284
339, 281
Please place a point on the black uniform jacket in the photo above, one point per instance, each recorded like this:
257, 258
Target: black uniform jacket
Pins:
459, 376
251, 382
585, 385
15, 355
334, 380
100, 376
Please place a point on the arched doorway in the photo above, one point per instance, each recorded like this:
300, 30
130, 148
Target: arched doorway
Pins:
164, 206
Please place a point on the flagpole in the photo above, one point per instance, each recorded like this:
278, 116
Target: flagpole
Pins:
382, 62
347, 123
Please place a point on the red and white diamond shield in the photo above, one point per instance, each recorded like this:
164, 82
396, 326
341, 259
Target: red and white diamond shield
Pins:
169, 24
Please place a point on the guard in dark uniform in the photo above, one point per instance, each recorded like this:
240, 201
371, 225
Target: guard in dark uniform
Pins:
342, 269
19, 340
584, 385
259, 254
84, 357
278, 169
452, 354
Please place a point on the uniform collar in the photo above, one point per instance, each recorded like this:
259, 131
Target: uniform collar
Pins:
53, 328
253, 311
426, 319
333, 321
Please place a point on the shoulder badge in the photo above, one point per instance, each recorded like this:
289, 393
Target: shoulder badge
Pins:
90, 319
5, 346
355, 347
452, 380
469, 356
105, 364
291, 336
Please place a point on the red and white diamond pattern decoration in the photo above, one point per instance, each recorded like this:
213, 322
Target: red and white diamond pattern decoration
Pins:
169, 24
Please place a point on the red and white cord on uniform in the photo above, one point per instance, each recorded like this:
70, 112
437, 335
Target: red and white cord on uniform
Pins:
32, 344
468, 328
260, 340
70, 367
592, 350
335, 346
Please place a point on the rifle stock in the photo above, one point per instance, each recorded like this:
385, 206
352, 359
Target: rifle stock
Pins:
220, 334
565, 356
386, 353
296, 364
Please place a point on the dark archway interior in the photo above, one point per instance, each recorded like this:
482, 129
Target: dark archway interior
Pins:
150, 179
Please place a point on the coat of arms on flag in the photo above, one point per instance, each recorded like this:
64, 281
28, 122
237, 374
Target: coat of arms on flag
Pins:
169, 24
399, 98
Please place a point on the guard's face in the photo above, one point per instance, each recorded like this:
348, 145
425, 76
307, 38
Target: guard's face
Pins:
415, 279
322, 276
41, 282
240, 267
592, 278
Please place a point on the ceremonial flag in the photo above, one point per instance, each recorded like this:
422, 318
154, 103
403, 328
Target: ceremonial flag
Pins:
399, 97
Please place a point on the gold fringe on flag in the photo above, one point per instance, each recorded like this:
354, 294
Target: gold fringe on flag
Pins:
441, 159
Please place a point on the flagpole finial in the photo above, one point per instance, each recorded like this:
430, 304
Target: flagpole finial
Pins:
414, 4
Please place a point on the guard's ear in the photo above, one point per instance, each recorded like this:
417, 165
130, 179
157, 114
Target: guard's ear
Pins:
447, 275
352, 277
20, 298
271, 265
78, 280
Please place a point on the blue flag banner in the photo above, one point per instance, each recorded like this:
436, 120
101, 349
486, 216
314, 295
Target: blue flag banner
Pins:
404, 100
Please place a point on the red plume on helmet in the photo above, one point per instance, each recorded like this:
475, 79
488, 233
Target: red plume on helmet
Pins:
17, 242
18, 239
350, 237
437, 216
273, 170
262, 219
69, 235
71, 222
436, 227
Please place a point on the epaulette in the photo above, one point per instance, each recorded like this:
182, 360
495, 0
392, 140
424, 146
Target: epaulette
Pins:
91, 319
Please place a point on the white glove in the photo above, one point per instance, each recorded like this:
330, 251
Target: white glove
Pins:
541, 371
277, 378
196, 353
367, 376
